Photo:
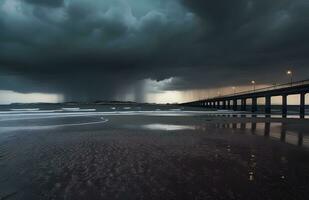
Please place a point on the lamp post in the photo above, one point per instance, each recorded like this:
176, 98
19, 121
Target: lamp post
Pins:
253, 85
290, 74
234, 90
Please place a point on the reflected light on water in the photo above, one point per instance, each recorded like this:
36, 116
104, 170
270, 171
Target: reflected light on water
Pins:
275, 130
167, 127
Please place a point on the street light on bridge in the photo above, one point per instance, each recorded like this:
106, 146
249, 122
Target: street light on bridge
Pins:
290, 74
253, 84
234, 89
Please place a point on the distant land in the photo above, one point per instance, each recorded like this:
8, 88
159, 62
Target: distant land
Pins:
98, 102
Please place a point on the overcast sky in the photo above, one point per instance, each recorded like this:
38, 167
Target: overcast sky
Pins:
141, 49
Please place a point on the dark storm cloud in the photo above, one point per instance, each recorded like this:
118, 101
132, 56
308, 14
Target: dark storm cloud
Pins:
96, 49
50, 3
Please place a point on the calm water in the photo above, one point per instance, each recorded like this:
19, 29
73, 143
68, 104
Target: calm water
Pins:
150, 153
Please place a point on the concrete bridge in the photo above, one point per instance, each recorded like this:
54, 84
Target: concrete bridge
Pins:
284, 90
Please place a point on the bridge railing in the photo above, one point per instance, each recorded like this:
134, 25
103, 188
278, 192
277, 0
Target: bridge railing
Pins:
274, 87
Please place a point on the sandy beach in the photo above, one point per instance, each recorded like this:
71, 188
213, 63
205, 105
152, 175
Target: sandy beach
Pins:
152, 155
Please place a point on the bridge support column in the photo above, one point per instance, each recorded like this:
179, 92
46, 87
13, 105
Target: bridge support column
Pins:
229, 104
243, 105
284, 105
218, 104
254, 104
235, 104
224, 104
267, 105
302, 105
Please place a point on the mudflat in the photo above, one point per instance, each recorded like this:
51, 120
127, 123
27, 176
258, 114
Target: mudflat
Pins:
153, 156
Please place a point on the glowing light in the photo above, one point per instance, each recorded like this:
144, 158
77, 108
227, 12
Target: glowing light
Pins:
289, 72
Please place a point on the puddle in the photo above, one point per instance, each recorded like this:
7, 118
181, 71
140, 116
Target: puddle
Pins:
274, 130
167, 127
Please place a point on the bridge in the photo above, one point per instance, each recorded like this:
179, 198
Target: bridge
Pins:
284, 90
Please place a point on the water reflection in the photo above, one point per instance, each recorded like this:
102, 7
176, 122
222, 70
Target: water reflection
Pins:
267, 129
252, 167
260, 115
167, 127
273, 130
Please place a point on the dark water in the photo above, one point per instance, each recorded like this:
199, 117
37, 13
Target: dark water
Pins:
293, 110
150, 155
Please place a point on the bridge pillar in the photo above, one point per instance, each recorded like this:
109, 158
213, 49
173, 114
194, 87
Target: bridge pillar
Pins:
229, 104
284, 105
302, 105
234, 104
243, 105
267, 105
254, 104
224, 104
218, 104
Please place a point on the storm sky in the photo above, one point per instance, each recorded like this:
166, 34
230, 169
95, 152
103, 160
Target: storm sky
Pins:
146, 50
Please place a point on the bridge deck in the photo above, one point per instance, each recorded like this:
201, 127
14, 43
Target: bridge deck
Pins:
278, 90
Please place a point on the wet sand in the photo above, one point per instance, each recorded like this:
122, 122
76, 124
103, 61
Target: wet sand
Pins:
153, 157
